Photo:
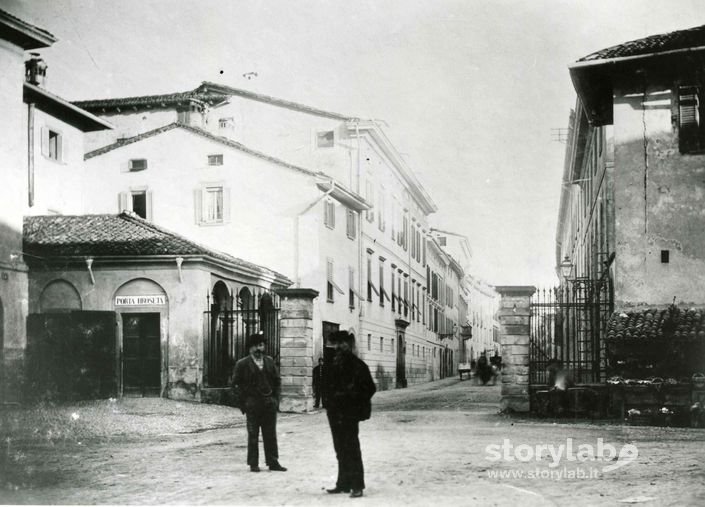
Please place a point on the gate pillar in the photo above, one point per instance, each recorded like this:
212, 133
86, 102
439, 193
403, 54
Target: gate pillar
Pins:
296, 349
513, 316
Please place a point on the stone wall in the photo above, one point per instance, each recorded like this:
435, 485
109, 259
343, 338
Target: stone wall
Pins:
513, 315
296, 349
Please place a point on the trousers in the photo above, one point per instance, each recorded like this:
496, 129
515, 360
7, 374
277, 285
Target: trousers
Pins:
346, 442
262, 413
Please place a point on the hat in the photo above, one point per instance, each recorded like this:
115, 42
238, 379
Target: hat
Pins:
255, 339
341, 336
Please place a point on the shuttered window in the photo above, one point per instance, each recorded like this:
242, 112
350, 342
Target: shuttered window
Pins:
690, 127
351, 224
53, 144
139, 201
211, 204
329, 214
331, 286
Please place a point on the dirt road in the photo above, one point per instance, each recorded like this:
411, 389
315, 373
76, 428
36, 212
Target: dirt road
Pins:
424, 445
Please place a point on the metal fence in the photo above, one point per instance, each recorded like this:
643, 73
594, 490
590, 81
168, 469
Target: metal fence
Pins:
231, 318
567, 328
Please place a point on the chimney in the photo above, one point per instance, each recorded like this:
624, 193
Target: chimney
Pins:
35, 70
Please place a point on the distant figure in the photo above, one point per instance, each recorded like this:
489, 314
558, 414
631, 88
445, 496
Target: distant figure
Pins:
349, 389
484, 371
259, 385
318, 383
496, 361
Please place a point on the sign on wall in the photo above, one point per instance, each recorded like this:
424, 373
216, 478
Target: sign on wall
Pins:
140, 300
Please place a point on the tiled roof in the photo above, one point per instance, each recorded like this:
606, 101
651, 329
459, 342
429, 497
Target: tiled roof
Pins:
229, 90
657, 324
681, 39
203, 133
26, 34
122, 235
151, 100
212, 93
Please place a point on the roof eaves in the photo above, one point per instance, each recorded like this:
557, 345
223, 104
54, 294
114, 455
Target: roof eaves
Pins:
350, 199
24, 34
390, 150
229, 90
80, 118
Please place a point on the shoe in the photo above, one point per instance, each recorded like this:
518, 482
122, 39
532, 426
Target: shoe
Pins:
277, 468
356, 493
336, 490
254, 468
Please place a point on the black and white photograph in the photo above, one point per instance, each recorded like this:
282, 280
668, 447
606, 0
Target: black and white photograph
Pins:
379, 252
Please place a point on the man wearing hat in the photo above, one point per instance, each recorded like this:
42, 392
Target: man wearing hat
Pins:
258, 385
349, 390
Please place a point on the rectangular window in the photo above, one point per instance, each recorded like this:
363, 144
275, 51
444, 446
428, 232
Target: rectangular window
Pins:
370, 197
399, 292
381, 284
351, 224
331, 286
325, 139
380, 211
137, 164
381, 343
406, 298
52, 144
139, 203
665, 256
405, 234
424, 250
691, 136
226, 123
215, 159
213, 204
351, 287
394, 297
329, 214
369, 342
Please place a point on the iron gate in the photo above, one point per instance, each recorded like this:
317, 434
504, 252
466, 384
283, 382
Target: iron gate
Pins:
567, 326
231, 318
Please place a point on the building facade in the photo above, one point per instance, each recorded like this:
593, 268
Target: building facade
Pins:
329, 202
632, 190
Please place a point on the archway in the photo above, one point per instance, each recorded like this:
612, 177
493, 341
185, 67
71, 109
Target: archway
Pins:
59, 295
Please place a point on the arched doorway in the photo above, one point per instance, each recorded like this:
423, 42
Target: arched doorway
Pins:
143, 308
220, 341
59, 295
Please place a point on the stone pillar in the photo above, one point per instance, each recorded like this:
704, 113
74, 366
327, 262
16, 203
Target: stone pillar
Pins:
513, 315
296, 349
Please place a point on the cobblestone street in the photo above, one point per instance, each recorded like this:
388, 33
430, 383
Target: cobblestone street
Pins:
423, 444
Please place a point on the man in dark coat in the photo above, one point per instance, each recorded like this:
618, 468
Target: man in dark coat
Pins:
258, 385
348, 392
318, 384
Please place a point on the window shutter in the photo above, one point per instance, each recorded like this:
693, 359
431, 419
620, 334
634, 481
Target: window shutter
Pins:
123, 202
45, 141
198, 206
63, 149
148, 198
226, 205
60, 148
688, 118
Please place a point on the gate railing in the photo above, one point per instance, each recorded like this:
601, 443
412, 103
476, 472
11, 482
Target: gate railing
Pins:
567, 328
228, 323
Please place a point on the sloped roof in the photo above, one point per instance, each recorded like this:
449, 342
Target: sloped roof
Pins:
653, 324
123, 235
59, 108
22, 33
207, 86
212, 93
203, 133
680, 39
151, 100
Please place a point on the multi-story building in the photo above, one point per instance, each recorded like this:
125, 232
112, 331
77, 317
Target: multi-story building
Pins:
42, 145
630, 223
631, 202
322, 197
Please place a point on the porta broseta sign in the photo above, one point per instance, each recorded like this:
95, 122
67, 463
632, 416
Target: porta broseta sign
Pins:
156, 300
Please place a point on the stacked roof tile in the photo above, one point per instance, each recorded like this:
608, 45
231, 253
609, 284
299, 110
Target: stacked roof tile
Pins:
123, 235
680, 39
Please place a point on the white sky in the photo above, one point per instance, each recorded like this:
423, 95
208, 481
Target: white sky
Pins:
470, 89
